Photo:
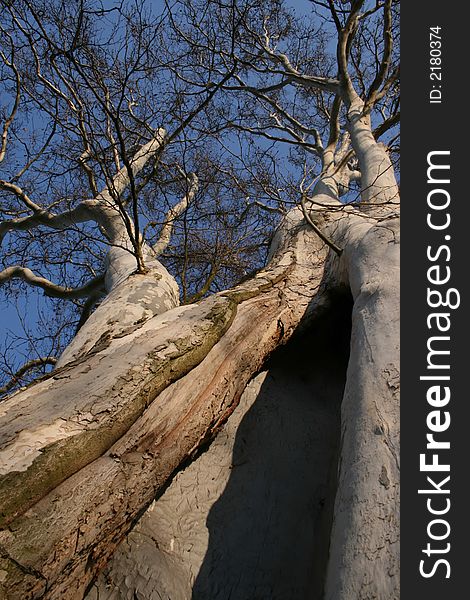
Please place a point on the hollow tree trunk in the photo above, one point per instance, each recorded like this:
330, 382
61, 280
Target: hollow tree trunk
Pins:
250, 516
86, 450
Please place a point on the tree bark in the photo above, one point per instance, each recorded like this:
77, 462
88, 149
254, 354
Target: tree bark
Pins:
86, 450
364, 551
250, 516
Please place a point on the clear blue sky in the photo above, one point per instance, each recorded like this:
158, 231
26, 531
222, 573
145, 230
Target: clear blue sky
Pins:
13, 311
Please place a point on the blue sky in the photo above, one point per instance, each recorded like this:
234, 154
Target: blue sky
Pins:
13, 312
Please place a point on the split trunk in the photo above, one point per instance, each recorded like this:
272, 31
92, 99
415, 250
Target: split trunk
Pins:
296, 492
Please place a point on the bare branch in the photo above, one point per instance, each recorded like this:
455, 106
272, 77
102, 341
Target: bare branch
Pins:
260, 94
173, 213
373, 95
16, 102
345, 37
104, 209
89, 171
20, 194
387, 124
52, 289
26, 368
207, 284
327, 84
85, 211
37, 156
122, 178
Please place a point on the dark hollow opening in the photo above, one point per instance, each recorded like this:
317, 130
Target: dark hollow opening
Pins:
269, 530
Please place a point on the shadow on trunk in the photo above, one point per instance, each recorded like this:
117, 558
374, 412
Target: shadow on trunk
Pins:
269, 530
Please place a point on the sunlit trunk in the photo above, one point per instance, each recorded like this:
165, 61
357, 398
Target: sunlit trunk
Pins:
89, 448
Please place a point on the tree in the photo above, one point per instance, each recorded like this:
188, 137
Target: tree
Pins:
192, 106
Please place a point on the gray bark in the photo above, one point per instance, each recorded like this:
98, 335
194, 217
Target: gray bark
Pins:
364, 553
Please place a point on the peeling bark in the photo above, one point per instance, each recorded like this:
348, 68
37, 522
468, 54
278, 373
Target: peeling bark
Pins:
250, 516
86, 454
363, 501
146, 384
67, 536
132, 300
70, 419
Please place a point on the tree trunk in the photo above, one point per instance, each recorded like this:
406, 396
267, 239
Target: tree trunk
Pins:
86, 450
250, 516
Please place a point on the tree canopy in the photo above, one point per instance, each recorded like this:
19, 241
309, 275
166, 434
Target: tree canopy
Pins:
185, 185
188, 128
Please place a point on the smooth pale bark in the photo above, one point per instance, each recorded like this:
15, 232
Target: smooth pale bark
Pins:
378, 183
364, 551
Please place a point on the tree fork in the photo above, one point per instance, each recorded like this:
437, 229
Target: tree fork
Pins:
57, 546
